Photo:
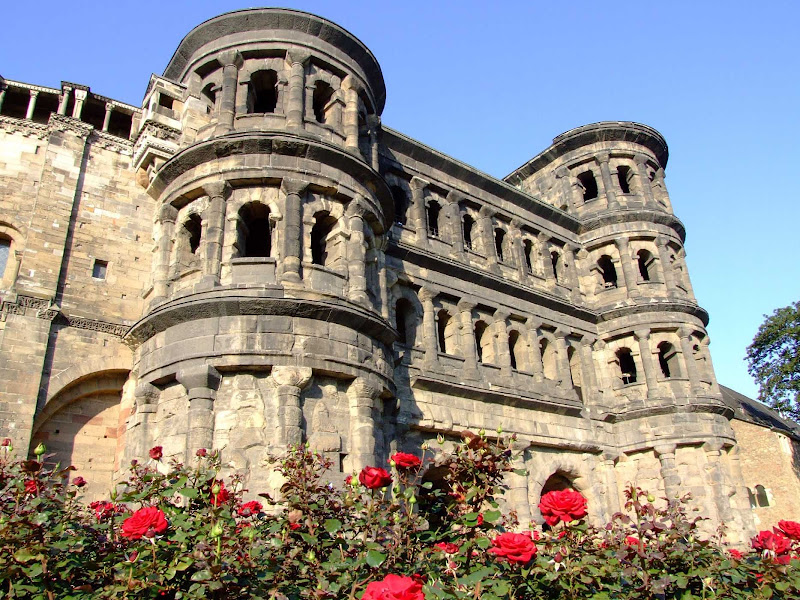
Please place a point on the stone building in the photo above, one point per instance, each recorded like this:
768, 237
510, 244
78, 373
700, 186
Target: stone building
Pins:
252, 259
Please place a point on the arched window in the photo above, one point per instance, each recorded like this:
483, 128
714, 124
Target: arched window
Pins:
499, 236
645, 261
624, 178
400, 204
555, 259
433, 219
557, 482
323, 226
627, 366
667, 360
5, 250
608, 271
406, 318
469, 223
548, 353
575, 373
514, 345
192, 230
262, 93
480, 330
209, 94
589, 184
762, 497
323, 93
442, 321
256, 230
528, 248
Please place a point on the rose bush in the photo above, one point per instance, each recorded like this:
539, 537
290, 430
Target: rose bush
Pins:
145, 522
562, 506
514, 547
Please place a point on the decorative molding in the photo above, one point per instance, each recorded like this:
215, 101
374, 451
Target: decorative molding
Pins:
62, 123
24, 126
114, 329
49, 312
105, 140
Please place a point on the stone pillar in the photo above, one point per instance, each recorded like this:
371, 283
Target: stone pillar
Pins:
517, 248
365, 423
214, 219
717, 481
589, 383
80, 98
643, 337
201, 383
518, 485
291, 255
453, 214
566, 189
429, 337
628, 274
465, 307
63, 100
669, 472
643, 181
373, 123
486, 228
562, 360
608, 187
107, 117
165, 229
709, 374
544, 256
418, 215
660, 188
666, 266
535, 353
308, 95
571, 271
290, 381
603, 380
381, 242
681, 256
31, 104
231, 63
350, 114
146, 406
500, 333
611, 488
685, 334
356, 253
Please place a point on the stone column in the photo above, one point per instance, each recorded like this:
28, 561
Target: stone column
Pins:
350, 114
709, 367
63, 100
486, 228
631, 281
80, 98
146, 397
589, 383
31, 104
608, 187
500, 333
571, 270
429, 337
356, 253
418, 186
681, 256
381, 243
290, 382
604, 382
544, 256
721, 492
214, 218
453, 214
201, 383
107, 117
660, 188
518, 485
365, 423
231, 63
373, 124
562, 360
535, 352
566, 189
685, 334
291, 255
643, 337
517, 248
611, 488
165, 229
465, 307
669, 472
666, 266
643, 181
308, 102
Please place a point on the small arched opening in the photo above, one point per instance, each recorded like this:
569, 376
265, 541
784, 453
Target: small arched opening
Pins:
433, 211
262, 93
514, 347
499, 238
469, 224
406, 318
557, 482
321, 98
256, 230
624, 178
324, 224
5, 251
555, 260
400, 204
668, 360
192, 232
589, 184
762, 496
607, 271
627, 366
645, 261
480, 339
442, 330
528, 251
209, 95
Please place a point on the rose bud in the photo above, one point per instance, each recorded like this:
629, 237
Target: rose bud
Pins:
201, 452
40, 449
79, 482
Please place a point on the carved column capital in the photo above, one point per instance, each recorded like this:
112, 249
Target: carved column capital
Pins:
361, 387
603, 157
561, 172
641, 334
231, 58
501, 315
454, 197
466, 304
417, 183
588, 340
217, 189
167, 213
661, 242
427, 294
685, 332
297, 377
199, 380
665, 450
293, 186
486, 212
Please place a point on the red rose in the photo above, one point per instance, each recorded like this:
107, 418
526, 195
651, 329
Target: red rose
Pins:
156, 452
348, 480
374, 478
790, 529
249, 508
394, 587
6, 442
480, 519
79, 482
514, 547
31, 486
775, 542
221, 496
146, 522
201, 452
446, 547
294, 526
404, 460
632, 540
735, 554
104, 509
562, 505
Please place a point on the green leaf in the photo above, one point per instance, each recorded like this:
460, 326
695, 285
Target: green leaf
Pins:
332, 525
203, 575
189, 492
24, 555
490, 516
375, 558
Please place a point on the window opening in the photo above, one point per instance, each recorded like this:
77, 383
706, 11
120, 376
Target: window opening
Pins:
99, 269
608, 271
480, 329
557, 482
528, 246
193, 229
406, 321
624, 175
258, 243
554, 259
589, 184
644, 258
433, 219
667, 360
441, 326
262, 94
469, 223
627, 366
400, 204
323, 226
5, 249
513, 340
575, 373
762, 498
165, 101
323, 93
548, 359
499, 236
210, 95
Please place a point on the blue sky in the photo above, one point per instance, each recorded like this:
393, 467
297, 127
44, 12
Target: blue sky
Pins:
491, 83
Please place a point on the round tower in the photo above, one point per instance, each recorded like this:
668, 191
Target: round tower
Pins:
269, 245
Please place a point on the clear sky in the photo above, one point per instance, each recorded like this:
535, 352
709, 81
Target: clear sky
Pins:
491, 83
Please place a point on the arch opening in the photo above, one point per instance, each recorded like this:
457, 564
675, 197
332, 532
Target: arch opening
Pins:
324, 224
589, 184
627, 366
262, 92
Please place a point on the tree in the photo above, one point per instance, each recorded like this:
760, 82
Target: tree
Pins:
773, 359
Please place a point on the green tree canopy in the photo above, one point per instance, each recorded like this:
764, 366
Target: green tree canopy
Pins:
774, 361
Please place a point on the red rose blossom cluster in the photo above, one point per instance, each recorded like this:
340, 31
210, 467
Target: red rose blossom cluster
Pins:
156, 452
104, 509
562, 506
221, 496
514, 547
249, 509
394, 587
446, 547
374, 478
404, 460
782, 543
145, 522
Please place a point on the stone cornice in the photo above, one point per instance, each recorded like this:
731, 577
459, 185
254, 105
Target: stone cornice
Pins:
632, 216
43, 309
24, 126
61, 123
103, 139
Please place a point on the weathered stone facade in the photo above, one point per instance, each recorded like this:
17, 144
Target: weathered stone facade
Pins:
252, 259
